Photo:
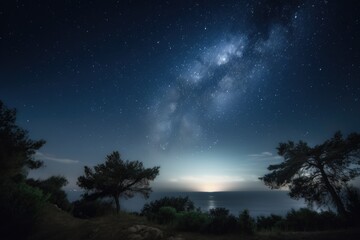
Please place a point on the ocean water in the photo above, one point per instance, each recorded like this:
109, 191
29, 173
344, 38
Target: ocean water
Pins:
257, 202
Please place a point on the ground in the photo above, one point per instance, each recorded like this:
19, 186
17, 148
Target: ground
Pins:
55, 224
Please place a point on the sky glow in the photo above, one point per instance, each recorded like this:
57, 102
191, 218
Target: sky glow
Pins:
205, 90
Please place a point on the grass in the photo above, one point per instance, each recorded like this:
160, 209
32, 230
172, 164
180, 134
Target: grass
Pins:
55, 224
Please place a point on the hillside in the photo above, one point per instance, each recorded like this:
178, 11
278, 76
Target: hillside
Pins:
55, 224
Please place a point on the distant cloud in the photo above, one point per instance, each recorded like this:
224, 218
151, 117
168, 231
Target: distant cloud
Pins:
212, 179
44, 156
264, 155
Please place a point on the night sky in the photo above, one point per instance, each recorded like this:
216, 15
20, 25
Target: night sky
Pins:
205, 89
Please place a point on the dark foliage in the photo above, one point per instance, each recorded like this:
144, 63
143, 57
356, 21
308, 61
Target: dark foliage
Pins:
117, 178
305, 219
192, 221
220, 221
16, 148
19, 208
90, 209
166, 215
353, 205
180, 204
301, 220
20, 203
267, 223
319, 174
53, 186
246, 222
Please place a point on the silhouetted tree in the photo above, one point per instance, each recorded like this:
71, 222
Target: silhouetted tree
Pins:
53, 186
319, 174
117, 178
16, 148
20, 204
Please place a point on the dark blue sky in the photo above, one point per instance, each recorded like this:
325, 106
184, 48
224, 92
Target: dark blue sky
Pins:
205, 89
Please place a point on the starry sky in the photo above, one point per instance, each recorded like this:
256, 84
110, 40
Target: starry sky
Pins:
204, 89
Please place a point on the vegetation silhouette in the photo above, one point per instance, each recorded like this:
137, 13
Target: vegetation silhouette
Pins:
16, 148
117, 178
53, 186
178, 203
21, 199
319, 174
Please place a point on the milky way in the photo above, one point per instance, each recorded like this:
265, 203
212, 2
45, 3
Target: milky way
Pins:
216, 84
204, 89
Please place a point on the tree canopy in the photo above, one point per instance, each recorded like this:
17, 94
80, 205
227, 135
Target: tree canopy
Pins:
117, 178
16, 148
319, 174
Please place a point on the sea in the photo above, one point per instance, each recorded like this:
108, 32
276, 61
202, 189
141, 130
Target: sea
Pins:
259, 203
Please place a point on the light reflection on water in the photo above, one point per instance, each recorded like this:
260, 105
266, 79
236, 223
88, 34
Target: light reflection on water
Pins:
211, 203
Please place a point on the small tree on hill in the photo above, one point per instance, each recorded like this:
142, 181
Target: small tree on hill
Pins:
20, 204
319, 174
117, 178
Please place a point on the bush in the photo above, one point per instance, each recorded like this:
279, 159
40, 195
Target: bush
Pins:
246, 222
20, 206
166, 215
353, 205
271, 222
328, 220
303, 219
308, 220
180, 204
221, 221
191, 221
89, 209
53, 186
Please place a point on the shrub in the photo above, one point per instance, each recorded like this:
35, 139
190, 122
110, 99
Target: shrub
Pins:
353, 205
193, 221
303, 219
329, 220
219, 212
221, 221
269, 223
20, 206
89, 209
166, 215
180, 204
246, 222
53, 186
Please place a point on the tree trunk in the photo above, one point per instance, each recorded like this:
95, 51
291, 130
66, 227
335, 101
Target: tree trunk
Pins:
117, 203
336, 198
